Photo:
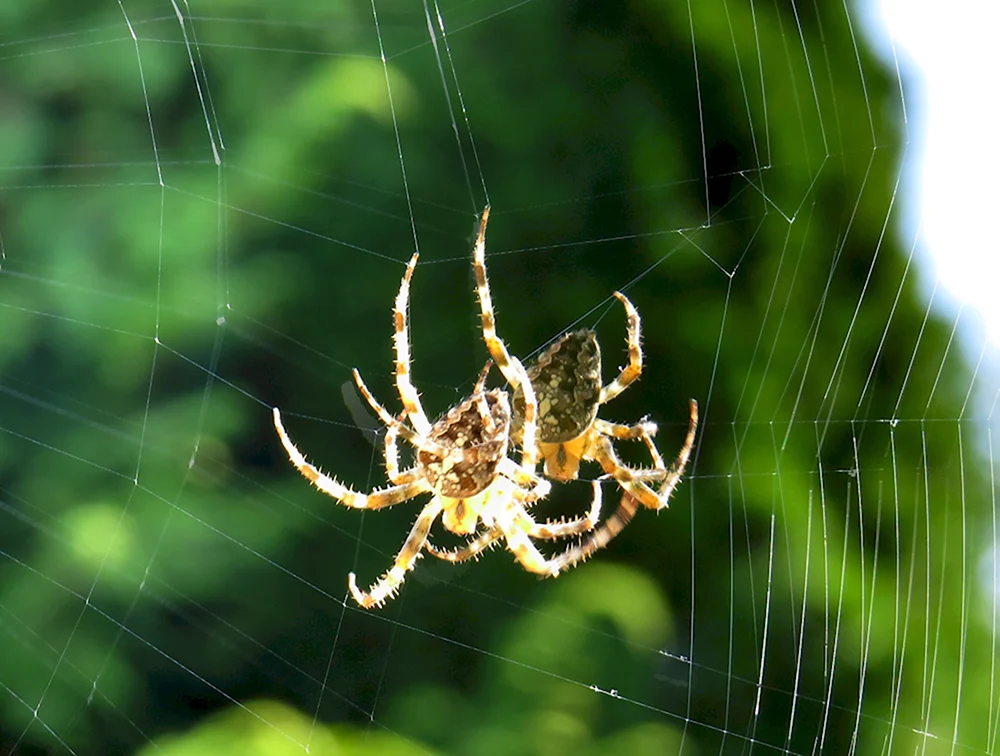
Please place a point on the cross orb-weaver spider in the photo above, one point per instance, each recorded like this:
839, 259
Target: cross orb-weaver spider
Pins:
569, 391
461, 459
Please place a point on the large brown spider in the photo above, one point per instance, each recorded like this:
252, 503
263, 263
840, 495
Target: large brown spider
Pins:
461, 459
569, 391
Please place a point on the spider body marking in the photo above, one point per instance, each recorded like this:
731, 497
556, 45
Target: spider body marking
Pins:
473, 444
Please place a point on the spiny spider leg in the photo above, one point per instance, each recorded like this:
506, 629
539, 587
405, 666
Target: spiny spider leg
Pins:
378, 499
629, 505
549, 529
407, 392
509, 365
389, 583
634, 340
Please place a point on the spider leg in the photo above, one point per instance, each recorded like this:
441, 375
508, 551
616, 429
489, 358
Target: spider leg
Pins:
383, 414
524, 551
551, 530
516, 525
614, 525
548, 529
644, 431
471, 550
480, 386
389, 583
509, 365
599, 538
378, 499
479, 392
529, 429
634, 368
407, 392
391, 452
391, 422
538, 488
630, 480
626, 432
677, 468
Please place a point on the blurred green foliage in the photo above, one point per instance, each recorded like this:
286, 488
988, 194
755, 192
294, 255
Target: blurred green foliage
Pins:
168, 584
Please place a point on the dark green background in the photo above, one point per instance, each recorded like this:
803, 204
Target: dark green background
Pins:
166, 576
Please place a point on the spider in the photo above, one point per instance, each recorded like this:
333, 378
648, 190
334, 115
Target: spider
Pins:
461, 459
567, 382
566, 379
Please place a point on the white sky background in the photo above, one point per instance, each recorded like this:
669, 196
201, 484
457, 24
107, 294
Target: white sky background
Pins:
949, 58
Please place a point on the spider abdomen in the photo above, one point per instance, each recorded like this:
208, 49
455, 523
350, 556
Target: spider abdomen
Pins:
567, 383
474, 437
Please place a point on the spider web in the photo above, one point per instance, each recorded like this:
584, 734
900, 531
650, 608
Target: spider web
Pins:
206, 211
